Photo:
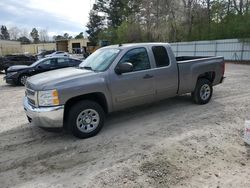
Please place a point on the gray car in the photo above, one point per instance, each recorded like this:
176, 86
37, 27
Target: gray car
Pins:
114, 78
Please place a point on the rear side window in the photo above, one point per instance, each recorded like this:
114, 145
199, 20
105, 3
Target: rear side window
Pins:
161, 56
62, 61
74, 62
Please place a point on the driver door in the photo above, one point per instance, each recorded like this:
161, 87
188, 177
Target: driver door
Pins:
136, 87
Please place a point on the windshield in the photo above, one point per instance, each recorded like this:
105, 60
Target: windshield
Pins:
100, 60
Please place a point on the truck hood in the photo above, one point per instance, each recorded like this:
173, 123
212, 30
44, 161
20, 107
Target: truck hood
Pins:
17, 68
57, 78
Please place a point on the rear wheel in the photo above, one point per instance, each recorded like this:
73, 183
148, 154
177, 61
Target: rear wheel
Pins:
22, 79
85, 119
203, 91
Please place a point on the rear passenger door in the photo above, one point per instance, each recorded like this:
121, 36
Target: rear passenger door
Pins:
136, 87
166, 75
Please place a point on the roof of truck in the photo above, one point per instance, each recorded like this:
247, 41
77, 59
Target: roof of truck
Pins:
123, 46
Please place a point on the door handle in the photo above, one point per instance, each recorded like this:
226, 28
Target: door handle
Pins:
148, 76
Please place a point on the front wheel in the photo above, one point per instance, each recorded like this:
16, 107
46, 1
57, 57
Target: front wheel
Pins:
85, 119
22, 79
203, 91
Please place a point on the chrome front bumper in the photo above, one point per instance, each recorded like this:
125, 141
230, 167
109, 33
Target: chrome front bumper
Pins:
47, 117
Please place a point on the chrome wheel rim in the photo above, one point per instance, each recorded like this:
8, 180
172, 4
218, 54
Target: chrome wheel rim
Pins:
205, 92
88, 120
23, 79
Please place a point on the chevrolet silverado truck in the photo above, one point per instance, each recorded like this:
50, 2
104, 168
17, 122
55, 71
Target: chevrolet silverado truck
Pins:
114, 78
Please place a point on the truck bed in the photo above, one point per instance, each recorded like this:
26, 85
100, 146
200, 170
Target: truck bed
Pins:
192, 67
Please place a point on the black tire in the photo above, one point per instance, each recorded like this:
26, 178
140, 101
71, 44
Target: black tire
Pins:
76, 112
20, 82
203, 91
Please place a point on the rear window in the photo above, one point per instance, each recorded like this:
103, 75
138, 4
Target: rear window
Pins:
161, 56
74, 62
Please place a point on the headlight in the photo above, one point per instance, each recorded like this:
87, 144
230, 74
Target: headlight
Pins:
48, 98
11, 74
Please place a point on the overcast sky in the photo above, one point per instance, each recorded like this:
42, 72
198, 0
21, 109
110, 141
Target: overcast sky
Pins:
57, 16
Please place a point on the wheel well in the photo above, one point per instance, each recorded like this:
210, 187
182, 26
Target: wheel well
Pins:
208, 75
19, 77
23, 74
97, 97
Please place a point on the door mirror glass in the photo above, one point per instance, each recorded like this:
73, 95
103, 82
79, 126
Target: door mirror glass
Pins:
124, 68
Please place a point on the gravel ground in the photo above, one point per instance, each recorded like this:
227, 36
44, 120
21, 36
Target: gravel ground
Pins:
174, 143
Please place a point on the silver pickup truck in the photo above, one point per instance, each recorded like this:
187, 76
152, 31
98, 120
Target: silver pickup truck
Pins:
114, 78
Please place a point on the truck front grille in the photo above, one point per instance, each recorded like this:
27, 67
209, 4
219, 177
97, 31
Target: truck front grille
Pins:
30, 92
32, 97
31, 102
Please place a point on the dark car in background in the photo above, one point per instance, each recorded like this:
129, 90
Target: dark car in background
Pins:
18, 75
1, 63
11, 60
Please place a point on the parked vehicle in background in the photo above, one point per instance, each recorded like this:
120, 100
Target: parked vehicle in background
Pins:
1, 63
43, 53
58, 53
114, 78
18, 74
10, 60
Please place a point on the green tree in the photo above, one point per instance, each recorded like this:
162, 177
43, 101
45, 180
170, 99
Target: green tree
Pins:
66, 35
94, 26
79, 36
24, 40
58, 37
129, 33
4, 33
35, 36
171, 20
116, 13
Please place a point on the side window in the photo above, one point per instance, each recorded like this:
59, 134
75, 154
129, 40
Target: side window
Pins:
49, 62
161, 56
138, 57
62, 62
74, 62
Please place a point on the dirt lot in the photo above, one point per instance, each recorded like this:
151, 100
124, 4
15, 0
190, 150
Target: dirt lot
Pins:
174, 143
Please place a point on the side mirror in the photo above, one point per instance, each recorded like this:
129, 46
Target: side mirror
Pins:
124, 68
39, 67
